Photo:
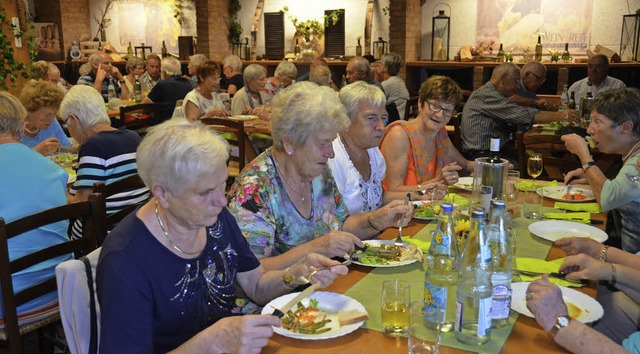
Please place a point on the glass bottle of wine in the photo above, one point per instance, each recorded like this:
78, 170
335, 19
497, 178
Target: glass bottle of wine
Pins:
538, 56
494, 148
500, 54
566, 56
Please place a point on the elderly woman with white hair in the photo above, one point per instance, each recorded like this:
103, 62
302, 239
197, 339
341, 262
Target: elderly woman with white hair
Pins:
232, 70
287, 199
195, 61
284, 76
186, 232
251, 99
170, 89
106, 154
358, 166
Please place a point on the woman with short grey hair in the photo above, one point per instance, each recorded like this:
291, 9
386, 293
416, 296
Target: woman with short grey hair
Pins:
106, 154
232, 70
134, 69
186, 230
287, 200
251, 99
284, 75
321, 75
394, 87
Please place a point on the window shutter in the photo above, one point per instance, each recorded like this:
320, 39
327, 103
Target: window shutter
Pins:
274, 35
334, 35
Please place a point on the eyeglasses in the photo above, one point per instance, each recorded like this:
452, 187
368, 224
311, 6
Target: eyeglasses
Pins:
64, 121
539, 78
437, 108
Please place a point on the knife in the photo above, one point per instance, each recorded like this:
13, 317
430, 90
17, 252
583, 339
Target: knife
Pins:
551, 274
293, 302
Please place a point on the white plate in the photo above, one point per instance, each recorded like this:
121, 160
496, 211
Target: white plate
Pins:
544, 127
328, 302
391, 263
556, 229
243, 117
419, 204
591, 310
464, 183
557, 193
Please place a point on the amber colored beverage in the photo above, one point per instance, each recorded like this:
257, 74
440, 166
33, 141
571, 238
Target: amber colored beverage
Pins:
395, 317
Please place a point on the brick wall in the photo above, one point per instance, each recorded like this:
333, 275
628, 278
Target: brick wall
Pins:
405, 29
74, 20
212, 28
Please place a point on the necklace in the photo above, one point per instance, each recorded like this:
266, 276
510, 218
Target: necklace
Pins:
286, 184
31, 131
633, 149
166, 234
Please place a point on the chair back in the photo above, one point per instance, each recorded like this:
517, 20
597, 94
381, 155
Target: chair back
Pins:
87, 211
79, 307
411, 110
246, 152
131, 185
456, 139
139, 117
556, 161
392, 112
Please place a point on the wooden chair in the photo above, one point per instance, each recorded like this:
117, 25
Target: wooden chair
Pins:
139, 117
14, 326
128, 184
392, 112
411, 110
246, 152
556, 160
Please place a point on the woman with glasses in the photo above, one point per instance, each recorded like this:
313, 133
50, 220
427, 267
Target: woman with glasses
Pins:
419, 151
203, 102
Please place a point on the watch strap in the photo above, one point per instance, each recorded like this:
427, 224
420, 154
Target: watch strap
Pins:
561, 322
587, 165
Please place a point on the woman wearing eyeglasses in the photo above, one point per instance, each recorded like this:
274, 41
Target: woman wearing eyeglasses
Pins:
203, 102
419, 151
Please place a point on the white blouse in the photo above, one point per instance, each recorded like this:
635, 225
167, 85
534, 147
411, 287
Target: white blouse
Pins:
203, 103
359, 195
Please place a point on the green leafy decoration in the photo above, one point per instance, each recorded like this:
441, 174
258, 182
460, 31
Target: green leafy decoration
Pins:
10, 68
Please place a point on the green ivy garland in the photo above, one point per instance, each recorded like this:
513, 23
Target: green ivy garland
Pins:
9, 67
233, 24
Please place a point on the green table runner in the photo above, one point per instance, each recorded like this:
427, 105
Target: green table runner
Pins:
368, 291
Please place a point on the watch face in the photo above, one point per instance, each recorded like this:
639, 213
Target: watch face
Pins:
563, 321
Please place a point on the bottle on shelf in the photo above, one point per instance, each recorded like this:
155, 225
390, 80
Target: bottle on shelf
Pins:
474, 290
442, 273
99, 45
564, 99
494, 148
566, 56
129, 51
572, 100
343, 83
501, 54
165, 53
538, 56
137, 90
111, 90
499, 238
358, 49
296, 49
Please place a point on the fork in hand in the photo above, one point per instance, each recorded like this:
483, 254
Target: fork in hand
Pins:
398, 242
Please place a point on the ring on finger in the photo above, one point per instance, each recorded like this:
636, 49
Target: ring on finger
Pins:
529, 295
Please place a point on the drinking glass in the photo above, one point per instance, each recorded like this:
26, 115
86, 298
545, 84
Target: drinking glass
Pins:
532, 203
395, 306
513, 182
423, 339
534, 166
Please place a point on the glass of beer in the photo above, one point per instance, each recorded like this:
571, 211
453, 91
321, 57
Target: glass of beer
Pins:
395, 306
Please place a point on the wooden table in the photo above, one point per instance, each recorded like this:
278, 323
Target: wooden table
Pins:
525, 336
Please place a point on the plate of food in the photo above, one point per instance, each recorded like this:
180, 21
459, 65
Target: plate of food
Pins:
580, 306
243, 117
564, 194
425, 211
384, 254
556, 229
465, 183
321, 315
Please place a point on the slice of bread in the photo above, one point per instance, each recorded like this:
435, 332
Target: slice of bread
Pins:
347, 317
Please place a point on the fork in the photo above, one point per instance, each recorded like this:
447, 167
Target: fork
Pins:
347, 261
398, 242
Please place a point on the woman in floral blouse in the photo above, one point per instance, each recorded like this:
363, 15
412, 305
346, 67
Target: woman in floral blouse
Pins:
286, 200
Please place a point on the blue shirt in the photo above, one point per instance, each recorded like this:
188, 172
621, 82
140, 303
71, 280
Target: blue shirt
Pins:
31, 183
151, 300
90, 79
54, 131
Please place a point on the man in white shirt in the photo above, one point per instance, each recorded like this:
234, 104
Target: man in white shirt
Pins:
597, 70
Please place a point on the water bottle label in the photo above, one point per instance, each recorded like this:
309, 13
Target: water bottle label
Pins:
435, 297
459, 313
501, 303
484, 317
440, 242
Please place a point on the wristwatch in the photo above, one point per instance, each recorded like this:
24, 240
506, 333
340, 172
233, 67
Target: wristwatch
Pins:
561, 322
587, 165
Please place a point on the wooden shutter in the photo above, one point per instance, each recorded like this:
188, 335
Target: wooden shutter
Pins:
334, 35
274, 35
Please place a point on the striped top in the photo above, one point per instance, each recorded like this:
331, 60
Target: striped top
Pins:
107, 157
486, 111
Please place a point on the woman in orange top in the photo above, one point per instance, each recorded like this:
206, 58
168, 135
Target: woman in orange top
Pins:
419, 152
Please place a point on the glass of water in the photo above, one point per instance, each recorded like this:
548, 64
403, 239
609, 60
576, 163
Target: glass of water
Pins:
423, 339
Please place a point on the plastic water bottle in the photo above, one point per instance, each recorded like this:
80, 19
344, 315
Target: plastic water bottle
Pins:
498, 235
137, 90
564, 99
473, 295
111, 91
442, 272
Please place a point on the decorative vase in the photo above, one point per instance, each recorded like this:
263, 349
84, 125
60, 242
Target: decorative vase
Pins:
311, 45
103, 34
358, 49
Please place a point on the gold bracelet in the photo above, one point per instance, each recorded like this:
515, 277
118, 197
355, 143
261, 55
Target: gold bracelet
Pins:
419, 187
614, 275
371, 224
603, 254
288, 279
